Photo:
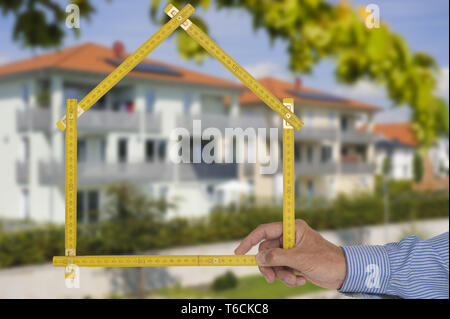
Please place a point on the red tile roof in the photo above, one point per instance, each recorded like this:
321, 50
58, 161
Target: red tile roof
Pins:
282, 89
401, 132
91, 57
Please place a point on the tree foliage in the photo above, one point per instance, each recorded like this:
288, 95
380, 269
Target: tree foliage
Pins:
40, 23
313, 29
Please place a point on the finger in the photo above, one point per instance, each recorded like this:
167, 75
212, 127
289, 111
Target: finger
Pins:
300, 281
268, 244
268, 274
266, 231
276, 257
286, 275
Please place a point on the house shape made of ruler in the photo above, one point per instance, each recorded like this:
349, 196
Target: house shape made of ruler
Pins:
75, 109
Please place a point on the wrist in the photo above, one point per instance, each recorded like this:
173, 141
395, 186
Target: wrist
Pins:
341, 267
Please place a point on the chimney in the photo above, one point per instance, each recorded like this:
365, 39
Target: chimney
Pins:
298, 83
118, 49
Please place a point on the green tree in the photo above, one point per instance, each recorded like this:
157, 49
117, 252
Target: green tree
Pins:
418, 167
313, 30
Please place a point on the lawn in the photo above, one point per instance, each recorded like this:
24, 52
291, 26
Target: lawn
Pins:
252, 287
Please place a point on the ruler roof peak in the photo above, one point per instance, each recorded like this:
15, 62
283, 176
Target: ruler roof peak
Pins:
181, 18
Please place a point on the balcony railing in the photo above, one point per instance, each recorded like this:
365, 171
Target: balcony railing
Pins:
221, 121
316, 134
95, 173
22, 172
202, 171
105, 173
309, 169
117, 121
92, 121
356, 137
315, 168
33, 119
357, 168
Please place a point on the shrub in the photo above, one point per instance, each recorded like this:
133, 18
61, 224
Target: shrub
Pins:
143, 233
226, 281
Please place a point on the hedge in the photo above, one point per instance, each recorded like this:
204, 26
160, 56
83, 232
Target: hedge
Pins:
143, 234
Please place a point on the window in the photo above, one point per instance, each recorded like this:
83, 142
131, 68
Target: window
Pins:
25, 204
150, 102
101, 103
344, 123
187, 104
310, 154
122, 150
24, 149
213, 104
155, 150
149, 151
102, 150
26, 95
297, 152
326, 154
81, 150
162, 150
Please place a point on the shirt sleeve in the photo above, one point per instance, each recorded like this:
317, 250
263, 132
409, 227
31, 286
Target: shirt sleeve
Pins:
411, 268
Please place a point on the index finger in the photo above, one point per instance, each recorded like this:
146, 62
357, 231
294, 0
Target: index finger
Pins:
265, 231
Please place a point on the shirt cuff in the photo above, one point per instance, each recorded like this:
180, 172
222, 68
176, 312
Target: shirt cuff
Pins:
368, 270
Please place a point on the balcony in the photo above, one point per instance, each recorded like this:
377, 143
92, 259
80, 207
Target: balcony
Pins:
308, 169
202, 171
33, 120
101, 121
316, 134
22, 172
357, 168
356, 137
105, 173
221, 121
91, 121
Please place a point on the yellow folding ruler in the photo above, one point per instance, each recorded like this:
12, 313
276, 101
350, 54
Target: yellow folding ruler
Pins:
126, 66
209, 45
155, 260
74, 110
288, 180
71, 178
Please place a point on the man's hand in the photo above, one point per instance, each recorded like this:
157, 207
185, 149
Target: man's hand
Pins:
312, 258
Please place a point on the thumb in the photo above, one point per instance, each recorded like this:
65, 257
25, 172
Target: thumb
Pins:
276, 257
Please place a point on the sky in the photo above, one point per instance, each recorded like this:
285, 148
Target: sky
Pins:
423, 23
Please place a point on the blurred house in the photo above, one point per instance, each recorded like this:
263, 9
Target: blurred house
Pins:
125, 136
398, 142
331, 155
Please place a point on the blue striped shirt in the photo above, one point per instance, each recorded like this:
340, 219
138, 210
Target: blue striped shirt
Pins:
411, 268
